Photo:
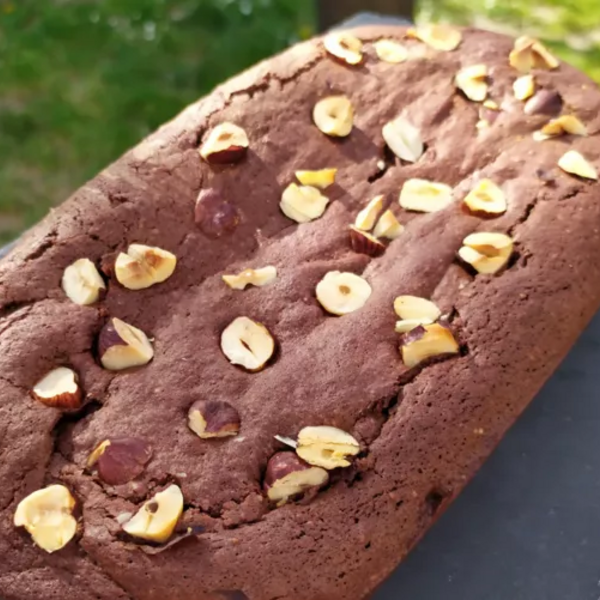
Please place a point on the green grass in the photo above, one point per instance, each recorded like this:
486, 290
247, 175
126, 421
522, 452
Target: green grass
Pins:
82, 80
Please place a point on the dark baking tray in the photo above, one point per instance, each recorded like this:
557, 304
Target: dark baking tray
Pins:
528, 526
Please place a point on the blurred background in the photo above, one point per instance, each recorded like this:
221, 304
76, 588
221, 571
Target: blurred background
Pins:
82, 80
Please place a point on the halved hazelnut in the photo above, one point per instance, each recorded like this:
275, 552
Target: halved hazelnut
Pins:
143, 266
82, 283
414, 307
342, 293
574, 163
367, 217
302, 203
247, 343
226, 143
427, 341
121, 346
327, 447
47, 515
59, 389
403, 139
486, 199
213, 419
365, 243
390, 51
120, 460
214, 215
437, 36
472, 81
544, 102
334, 116
528, 53
157, 518
344, 47
388, 226
257, 277
287, 475
567, 124
425, 196
322, 178
486, 252
524, 87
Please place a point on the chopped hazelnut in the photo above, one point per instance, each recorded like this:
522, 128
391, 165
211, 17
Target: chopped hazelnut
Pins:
390, 51
326, 447
363, 242
486, 199
303, 203
226, 143
334, 116
213, 419
574, 163
214, 215
59, 389
437, 36
567, 124
544, 102
388, 226
403, 139
257, 277
322, 178
528, 53
367, 217
247, 343
342, 293
345, 47
472, 81
143, 266
120, 460
47, 515
121, 346
524, 87
486, 252
155, 521
406, 325
414, 307
82, 283
426, 342
425, 196
287, 475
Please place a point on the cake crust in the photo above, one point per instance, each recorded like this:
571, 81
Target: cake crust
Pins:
423, 432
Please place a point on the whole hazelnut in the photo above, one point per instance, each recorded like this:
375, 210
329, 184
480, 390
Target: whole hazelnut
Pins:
544, 102
213, 215
213, 419
120, 460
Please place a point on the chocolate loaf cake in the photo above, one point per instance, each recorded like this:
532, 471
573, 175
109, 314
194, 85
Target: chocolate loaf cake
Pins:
258, 356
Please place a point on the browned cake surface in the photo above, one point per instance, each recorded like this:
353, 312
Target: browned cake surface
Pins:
423, 433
